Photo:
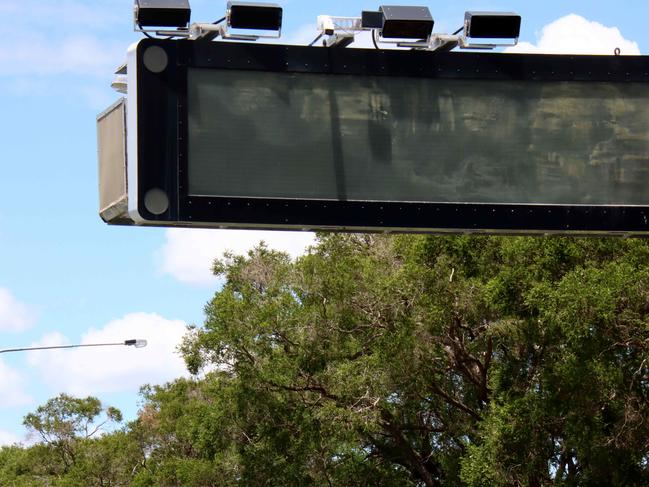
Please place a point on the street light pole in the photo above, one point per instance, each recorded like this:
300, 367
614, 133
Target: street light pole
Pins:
129, 343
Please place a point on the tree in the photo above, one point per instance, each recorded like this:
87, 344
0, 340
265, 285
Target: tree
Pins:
390, 361
434, 361
112, 459
79, 446
65, 420
570, 405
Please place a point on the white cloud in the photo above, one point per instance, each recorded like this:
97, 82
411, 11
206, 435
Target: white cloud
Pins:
187, 254
8, 7
61, 47
66, 13
46, 37
83, 55
96, 370
14, 315
12, 390
8, 438
574, 34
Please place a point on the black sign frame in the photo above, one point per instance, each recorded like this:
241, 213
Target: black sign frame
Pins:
162, 141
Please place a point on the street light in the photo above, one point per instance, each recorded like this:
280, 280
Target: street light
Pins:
129, 343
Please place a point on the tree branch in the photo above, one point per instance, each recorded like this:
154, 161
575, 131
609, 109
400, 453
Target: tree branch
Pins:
413, 456
451, 400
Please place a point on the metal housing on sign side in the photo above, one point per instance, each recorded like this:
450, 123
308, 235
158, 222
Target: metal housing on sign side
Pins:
111, 145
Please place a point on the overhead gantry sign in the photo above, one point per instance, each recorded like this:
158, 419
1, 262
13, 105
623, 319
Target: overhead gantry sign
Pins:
241, 135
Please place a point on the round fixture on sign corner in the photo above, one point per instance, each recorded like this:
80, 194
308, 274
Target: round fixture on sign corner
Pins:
155, 59
156, 201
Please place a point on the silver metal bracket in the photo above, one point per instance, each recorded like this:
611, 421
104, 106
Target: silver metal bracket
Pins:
212, 31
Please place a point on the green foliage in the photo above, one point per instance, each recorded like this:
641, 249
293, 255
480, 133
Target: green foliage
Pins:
571, 392
72, 451
15, 466
65, 418
391, 361
442, 360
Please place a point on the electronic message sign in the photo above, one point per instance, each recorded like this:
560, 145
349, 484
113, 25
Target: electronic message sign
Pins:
286, 137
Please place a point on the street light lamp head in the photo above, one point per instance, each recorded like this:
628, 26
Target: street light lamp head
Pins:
136, 343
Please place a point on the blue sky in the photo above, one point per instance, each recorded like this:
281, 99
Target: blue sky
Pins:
66, 277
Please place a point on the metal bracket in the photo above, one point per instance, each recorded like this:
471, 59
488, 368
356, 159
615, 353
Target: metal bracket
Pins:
180, 32
209, 32
339, 40
340, 31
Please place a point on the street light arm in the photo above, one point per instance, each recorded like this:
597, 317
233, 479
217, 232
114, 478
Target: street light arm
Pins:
136, 343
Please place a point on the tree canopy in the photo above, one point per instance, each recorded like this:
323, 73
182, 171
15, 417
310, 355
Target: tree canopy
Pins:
408, 360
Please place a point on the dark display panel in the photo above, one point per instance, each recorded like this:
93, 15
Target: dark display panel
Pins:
254, 134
